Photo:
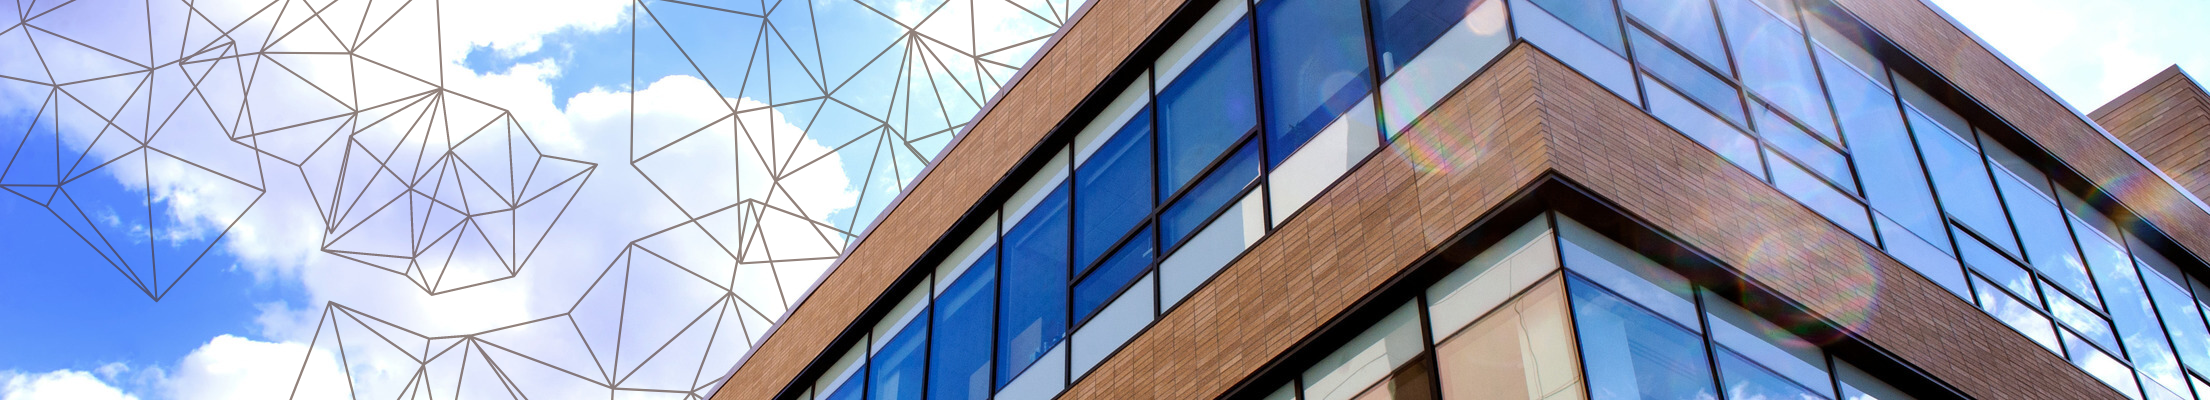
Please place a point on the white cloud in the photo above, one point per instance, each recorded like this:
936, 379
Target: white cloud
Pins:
58, 385
284, 235
231, 367
2089, 52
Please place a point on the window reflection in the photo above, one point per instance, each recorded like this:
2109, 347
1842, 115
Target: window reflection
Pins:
1205, 110
1312, 58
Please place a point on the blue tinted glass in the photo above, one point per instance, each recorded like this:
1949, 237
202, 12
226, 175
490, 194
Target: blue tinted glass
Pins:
1747, 380
2182, 320
1814, 154
1713, 133
959, 362
2068, 311
1402, 28
2099, 363
1978, 256
1690, 78
1634, 354
1960, 177
1923, 255
1033, 307
1113, 190
2016, 313
895, 372
2130, 311
2047, 241
1219, 188
1882, 147
1594, 18
1776, 64
1687, 23
1205, 110
1101, 284
1312, 58
854, 388
1821, 198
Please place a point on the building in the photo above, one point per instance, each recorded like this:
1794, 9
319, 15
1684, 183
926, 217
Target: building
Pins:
1538, 199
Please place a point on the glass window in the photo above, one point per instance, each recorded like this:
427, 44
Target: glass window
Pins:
1113, 190
1846, 50
2017, 314
959, 368
1644, 356
854, 389
1961, 177
1882, 147
1692, 79
1930, 260
2101, 365
1413, 381
2130, 310
1369, 358
1590, 57
1492, 277
1688, 23
1994, 266
1858, 385
1312, 56
1918, 98
1413, 85
1210, 249
2181, 320
1729, 142
1524, 351
1108, 278
1747, 380
1403, 28
1033, 307
1824, 199
2048, 243
1206, 109
1627, 273
2069, 312
1775, 64
1775, 349
1594, 18
1192, 210
895, 372
1812, 153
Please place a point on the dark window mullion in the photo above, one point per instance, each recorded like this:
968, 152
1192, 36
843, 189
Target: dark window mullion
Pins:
1258, 106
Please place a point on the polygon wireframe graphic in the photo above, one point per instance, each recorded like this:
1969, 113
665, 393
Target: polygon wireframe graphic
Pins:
208, 111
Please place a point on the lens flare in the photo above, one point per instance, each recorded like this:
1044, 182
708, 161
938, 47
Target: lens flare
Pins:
1440, 145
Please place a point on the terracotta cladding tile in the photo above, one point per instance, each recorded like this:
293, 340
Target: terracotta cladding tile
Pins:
1082, 57
1617, 151
1976, 70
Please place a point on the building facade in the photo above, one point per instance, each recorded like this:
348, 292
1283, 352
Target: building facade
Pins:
1526, 199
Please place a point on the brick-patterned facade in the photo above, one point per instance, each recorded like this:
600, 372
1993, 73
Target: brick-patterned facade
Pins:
1527, 116
2167, 120
2003, 90
1066, 70
1531, 115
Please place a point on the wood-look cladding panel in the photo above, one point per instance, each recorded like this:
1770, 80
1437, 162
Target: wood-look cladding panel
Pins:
1379, 219
1184, 357
1528, 115
2167, 120
1082, 57
1976, 71
1685, 190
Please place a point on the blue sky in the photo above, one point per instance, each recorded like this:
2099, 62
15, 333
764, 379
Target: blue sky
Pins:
82, 314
